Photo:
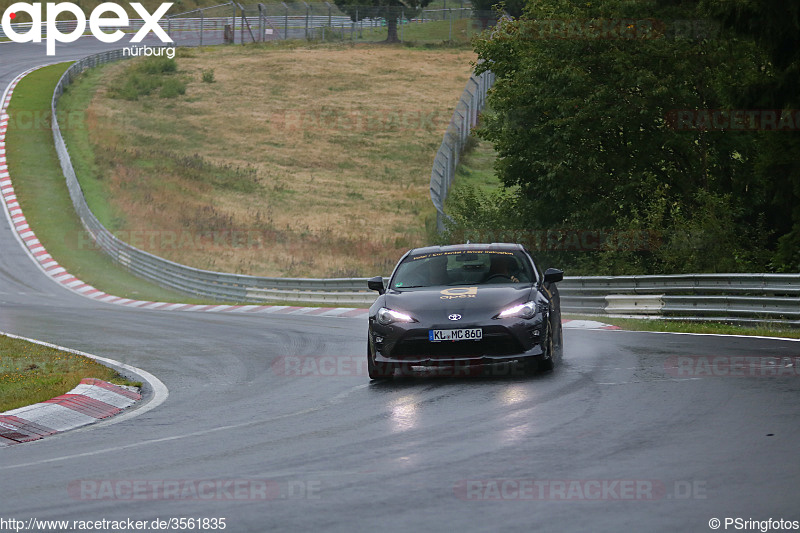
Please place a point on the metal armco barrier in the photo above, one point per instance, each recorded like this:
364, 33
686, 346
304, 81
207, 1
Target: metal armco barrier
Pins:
747, 298
756, 298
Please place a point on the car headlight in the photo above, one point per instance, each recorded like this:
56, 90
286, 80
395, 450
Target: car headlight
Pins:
526, 310
388, 316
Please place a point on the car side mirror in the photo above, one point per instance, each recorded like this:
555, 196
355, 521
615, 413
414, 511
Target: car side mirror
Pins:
553, 275
376, 284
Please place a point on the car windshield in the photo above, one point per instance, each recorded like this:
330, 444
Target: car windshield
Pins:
473, 267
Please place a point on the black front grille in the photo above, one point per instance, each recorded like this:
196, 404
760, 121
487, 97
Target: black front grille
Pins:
495, 341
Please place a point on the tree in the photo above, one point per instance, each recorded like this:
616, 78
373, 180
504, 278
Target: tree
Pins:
391, 10
774, 25
582, 122
484, 9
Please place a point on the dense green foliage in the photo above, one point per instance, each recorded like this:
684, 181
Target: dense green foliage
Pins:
514, 8
586, 121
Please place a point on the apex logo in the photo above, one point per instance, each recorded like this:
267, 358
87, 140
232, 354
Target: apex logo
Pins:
97, 23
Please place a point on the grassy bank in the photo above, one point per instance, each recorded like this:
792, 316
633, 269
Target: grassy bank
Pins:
30, 373
44, 198
294, 161
685, 326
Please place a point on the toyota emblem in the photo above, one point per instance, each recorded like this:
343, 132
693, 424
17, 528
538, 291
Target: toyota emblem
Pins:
454, 317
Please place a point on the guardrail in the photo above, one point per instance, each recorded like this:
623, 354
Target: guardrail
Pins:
746, 298
751, 298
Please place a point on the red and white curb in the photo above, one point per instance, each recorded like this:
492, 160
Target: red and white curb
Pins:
91, 401
57, 273
87, 403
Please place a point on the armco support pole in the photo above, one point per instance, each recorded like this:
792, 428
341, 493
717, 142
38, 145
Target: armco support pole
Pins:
285, 22
307, 13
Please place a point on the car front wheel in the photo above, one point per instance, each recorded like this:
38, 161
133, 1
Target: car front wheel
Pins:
376, 370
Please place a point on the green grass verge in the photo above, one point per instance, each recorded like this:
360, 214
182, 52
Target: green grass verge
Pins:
686, 326
44, 198
30, 373
476, 167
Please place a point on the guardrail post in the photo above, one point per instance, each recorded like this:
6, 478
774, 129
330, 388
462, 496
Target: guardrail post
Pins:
262, 35
285, 21
307, 8
450, 37
233, 24
330, 24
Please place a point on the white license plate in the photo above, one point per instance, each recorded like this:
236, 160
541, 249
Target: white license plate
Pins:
439, 335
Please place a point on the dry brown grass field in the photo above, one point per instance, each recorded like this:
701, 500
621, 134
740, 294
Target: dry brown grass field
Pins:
307, 161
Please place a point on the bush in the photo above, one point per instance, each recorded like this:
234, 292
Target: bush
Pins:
208, 76
135, 85
158, 65
145, 77
172, 88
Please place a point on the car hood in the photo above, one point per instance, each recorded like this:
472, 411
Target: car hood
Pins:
473, 303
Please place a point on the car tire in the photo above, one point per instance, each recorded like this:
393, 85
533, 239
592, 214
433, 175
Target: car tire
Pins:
376, 371
548, 361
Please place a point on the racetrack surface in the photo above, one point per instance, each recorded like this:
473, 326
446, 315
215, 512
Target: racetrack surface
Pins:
337, 452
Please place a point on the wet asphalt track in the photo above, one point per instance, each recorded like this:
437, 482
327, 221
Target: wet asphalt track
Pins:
338, 453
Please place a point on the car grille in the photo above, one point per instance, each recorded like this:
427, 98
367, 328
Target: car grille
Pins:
496, 341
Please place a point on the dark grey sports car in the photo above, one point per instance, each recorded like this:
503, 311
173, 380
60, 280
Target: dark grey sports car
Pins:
465, 306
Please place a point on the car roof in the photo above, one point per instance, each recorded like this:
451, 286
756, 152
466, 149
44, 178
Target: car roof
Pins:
495, 246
